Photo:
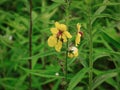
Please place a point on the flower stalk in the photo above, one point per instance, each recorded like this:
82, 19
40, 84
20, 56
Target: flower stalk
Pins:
30, 43
67, 44
90, 49
90, 58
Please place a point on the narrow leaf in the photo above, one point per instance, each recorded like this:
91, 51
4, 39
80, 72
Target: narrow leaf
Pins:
77, 78
103, 77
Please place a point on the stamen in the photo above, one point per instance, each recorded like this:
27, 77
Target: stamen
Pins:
59, 33
81, 33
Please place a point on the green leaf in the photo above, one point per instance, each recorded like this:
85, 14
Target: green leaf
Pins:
110, 39
109, 3
46, 75
100, 52
103, 77
110, 81
99, 11
20, 81
77, 78
59, 1
40, 55
56, 86
43, 73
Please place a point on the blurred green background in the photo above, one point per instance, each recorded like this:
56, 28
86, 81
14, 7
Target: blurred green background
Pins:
47, 64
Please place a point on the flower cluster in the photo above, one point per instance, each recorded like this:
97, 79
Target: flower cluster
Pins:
73, 51
60, 35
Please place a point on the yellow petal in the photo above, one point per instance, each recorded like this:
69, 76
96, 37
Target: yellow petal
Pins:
77, 40
75, 53
54, 30
57, 25
63, 27
52, 40
58, 46
78, 26
67, 34
64, 38
70, 55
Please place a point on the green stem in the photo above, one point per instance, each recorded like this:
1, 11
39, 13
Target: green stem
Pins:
90, 50
30, 44
66, 79
67, 23
90, 60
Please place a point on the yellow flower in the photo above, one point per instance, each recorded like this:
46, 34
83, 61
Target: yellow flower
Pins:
59, 35
77, 40
52, 41
73, 52
79, 34
58, 46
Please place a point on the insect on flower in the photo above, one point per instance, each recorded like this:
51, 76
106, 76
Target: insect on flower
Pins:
72, 52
